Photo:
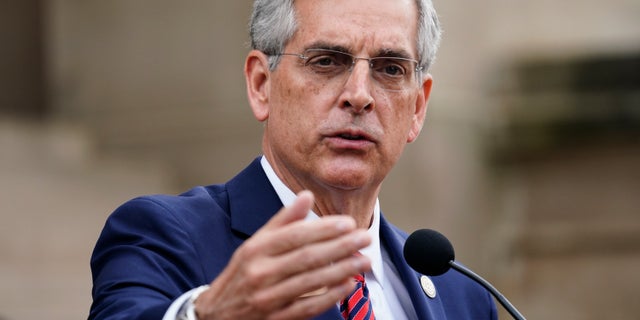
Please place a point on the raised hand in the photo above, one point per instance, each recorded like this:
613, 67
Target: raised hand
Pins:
290, 269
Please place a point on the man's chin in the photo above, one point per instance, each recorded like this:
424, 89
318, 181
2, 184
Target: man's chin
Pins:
348, 177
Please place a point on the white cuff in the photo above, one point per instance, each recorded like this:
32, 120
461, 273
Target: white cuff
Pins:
172, 312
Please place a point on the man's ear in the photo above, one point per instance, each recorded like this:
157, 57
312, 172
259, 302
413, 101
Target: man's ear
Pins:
257, 75
420, 111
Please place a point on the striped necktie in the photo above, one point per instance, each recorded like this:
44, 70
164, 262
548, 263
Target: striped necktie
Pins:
357, 306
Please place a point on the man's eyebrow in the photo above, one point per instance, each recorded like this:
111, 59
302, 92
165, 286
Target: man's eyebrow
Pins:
327, 46
398, 53
384, 52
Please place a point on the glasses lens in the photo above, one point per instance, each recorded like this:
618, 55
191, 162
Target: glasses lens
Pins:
393, 73
327, 62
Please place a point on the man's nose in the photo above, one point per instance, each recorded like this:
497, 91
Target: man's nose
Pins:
358, 86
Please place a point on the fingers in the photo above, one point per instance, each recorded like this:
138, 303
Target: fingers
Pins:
312, 245
317, 254
301, 233
328, 278
288, 230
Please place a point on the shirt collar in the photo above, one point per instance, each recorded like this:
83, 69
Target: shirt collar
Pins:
373, 251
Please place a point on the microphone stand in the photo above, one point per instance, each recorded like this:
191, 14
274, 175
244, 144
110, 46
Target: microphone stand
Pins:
503, 301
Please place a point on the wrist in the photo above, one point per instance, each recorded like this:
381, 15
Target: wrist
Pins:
188, 309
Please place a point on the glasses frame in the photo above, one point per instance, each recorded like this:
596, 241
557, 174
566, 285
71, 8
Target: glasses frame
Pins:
305, 57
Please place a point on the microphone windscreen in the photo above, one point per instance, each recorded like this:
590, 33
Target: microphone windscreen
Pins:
428, 252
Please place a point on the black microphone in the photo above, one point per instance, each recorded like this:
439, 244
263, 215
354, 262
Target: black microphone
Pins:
430, 252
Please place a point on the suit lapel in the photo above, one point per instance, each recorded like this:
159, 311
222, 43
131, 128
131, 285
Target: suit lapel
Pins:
252, 199
393, 240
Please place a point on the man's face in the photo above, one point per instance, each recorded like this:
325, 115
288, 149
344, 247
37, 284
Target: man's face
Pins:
344, 135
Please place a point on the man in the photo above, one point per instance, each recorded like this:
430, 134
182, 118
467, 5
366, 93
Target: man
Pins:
341, 86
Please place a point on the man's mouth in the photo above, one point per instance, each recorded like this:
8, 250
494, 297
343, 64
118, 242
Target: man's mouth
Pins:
351, 137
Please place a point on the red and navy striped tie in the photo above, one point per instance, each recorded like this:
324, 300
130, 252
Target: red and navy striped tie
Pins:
357, 306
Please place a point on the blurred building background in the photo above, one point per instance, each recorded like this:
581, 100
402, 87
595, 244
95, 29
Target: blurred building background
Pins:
529, 161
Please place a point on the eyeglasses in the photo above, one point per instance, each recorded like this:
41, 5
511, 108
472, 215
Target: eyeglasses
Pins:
389, 73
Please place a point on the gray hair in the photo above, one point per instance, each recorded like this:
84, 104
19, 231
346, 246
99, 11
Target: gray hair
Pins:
273, 23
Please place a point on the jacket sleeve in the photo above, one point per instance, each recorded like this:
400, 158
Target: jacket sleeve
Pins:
143, 260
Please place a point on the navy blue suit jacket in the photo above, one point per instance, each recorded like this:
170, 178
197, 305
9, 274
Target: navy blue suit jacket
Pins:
154, 248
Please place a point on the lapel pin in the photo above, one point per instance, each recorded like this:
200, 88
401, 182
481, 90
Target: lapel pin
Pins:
428, 287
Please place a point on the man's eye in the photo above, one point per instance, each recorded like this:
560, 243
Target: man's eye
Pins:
391, 68
323, 60
326, 61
